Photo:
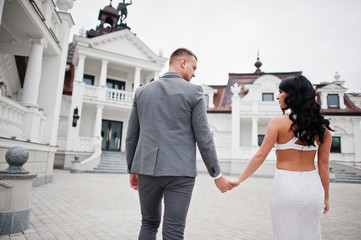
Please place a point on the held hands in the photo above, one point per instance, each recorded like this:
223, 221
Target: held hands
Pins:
234, 183
222, 184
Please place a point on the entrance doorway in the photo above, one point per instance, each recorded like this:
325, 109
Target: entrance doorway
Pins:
112, 135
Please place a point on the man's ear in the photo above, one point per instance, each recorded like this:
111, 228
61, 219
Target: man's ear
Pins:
183, 62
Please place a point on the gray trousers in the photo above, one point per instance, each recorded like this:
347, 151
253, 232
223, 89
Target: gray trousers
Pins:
177, 193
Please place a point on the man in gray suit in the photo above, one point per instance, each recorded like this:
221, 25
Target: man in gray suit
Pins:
168, 118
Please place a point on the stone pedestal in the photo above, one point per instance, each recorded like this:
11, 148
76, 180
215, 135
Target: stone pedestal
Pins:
15, 190
75, 165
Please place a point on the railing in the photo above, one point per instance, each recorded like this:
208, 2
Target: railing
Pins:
119, 95
11, 118
97, 93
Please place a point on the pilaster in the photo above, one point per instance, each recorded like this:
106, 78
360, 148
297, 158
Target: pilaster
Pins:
236, 121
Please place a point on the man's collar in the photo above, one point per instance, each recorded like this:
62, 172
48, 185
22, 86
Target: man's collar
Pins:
172, 74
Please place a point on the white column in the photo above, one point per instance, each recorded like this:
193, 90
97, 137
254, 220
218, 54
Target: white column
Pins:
79, 71
33, 73
103, 73
1, 9
236, 128
254, 132
136, 78
323, 97
98, 121
52, 81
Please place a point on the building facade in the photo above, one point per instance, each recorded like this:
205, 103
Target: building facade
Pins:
33, 50
104, 68
240, 111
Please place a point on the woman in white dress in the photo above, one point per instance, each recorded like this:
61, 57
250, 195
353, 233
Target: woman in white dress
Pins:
300, 193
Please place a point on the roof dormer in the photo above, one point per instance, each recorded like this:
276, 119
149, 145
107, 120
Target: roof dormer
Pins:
332, 94
209, 95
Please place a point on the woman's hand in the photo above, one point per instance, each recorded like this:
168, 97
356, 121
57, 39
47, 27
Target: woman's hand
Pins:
327, 207
234, 183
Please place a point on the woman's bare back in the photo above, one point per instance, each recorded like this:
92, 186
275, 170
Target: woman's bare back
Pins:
292, 159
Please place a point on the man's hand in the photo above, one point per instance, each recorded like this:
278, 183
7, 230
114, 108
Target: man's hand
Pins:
133, 180
222, 184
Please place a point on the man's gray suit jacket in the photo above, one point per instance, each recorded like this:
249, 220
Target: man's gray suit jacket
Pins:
167, 119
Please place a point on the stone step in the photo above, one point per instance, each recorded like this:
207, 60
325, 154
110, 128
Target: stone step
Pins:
113, 153
112, 158
111, 164
119, 161
345, 181
355, 177
107, 171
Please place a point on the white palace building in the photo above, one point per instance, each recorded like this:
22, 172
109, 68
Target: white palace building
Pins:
69, 104
34, 39
240, 111
104, 69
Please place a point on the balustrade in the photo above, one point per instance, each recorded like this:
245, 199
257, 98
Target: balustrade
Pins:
119, 95
11, 117
93, 92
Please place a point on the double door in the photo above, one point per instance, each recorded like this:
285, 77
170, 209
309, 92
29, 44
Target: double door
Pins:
112, 135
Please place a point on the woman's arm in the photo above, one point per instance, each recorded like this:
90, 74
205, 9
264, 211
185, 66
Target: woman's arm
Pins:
323, 167
257, 160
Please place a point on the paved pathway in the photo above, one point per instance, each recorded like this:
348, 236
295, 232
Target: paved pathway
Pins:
102, 206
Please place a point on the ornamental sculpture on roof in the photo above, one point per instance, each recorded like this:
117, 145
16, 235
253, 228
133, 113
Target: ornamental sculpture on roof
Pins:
122, 10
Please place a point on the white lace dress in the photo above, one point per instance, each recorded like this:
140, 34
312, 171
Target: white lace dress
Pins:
297, 203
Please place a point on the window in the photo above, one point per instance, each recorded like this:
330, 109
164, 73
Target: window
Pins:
115, 84
260, 139
332, 100
336, 145
88, 79
267, 97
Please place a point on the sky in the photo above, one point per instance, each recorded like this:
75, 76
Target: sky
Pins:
317, 37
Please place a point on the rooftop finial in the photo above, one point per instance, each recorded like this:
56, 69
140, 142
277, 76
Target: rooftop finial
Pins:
110, 4
258, 63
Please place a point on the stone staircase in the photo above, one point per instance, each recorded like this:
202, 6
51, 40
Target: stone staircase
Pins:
344, 174
111, 162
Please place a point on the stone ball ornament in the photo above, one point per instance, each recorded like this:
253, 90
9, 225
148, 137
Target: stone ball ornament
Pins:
16, 157
64, 5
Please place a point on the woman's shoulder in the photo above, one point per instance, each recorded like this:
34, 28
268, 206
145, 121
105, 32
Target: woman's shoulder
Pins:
281, 119
281, 123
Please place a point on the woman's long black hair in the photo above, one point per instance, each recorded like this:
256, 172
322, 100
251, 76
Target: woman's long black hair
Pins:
305, 111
